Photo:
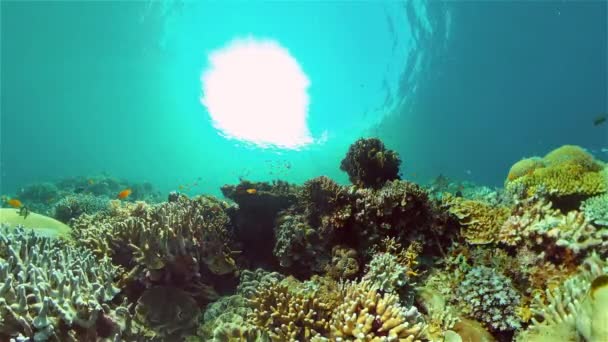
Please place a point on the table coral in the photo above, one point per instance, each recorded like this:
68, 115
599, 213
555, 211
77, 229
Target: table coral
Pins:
50, 290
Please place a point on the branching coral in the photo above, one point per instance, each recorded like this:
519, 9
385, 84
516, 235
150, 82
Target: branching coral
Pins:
386, 274
368, 315
289, 315
490, 297
596, 209
170, 243
572, 231
525, 214
480, 222
369, 164
49, 290
559, 315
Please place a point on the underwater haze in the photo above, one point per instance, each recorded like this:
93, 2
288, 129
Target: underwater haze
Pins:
303, 171
462, 89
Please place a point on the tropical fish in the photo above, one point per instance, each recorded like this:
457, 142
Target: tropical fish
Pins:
124, 194
181, 187
15, 203
599, 120
91, 182
251, 191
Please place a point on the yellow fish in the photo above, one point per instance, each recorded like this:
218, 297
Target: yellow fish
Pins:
251, 191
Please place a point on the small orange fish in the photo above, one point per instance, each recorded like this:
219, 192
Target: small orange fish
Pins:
124, 194
251, 191
15, 203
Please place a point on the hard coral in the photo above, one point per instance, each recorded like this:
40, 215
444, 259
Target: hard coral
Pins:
524, 167
596, 209
480, 222
171, 243
288, 315
386, 274
369, 164
368, 315
50, 290
569, 173
489, 297
344, 264
298, 245
72, 206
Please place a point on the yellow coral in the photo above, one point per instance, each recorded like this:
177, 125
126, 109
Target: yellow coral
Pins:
524, 167
567, 170
289, 315
367, 315
480, 222
572, 154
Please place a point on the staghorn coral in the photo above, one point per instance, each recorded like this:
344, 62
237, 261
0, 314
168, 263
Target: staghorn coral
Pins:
480, 222
50, 290
369, 164
368, 315
489, 297
596, 209
288, 315
385, 273
344, 264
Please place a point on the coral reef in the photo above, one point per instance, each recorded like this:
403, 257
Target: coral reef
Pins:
385, 273
72, 206
489, 297
596, 209
368, 315
480, 221
315, 262
569, 174
288, 315
369, 164
51, 290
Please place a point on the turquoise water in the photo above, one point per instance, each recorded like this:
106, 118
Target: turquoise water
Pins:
462, 89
